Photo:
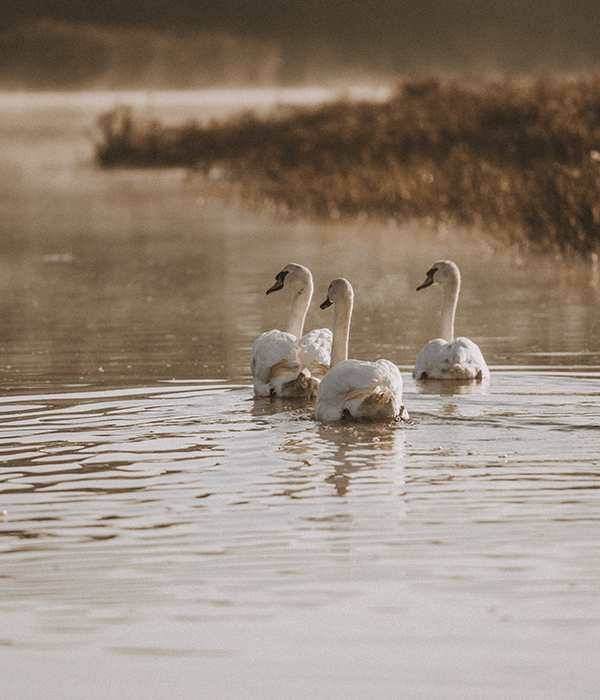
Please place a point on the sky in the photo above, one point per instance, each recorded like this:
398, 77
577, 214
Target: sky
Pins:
502, 34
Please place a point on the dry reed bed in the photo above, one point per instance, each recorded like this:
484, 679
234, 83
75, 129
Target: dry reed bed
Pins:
519, 157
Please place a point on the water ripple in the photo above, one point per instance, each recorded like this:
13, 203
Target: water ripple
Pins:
199, 501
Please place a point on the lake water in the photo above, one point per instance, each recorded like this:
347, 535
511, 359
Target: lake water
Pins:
166, 535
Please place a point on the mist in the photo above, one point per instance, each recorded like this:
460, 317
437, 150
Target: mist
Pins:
110, 45
57, 55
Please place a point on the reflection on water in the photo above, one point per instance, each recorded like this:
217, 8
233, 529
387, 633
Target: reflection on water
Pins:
367, 446
191, 522
450, 387
165, 534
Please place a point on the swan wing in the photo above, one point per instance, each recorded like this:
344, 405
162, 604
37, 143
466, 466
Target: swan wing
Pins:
467, 358
361, 389
274, 358
429, 359
314, 351
460, 359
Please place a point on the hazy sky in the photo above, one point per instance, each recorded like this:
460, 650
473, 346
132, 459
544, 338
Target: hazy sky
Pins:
556, 33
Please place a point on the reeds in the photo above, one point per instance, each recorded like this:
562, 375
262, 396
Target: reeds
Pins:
521, 158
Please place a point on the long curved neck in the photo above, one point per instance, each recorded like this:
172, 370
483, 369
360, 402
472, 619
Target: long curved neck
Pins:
298, 309
449, 301
342, 313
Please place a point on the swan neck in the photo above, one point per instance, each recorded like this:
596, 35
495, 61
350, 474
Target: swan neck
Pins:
449, 301
342, 315
298, 310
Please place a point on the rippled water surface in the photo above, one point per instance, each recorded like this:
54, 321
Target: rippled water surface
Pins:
166, 535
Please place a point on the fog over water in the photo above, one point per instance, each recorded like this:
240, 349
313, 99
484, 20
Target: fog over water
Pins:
195, 44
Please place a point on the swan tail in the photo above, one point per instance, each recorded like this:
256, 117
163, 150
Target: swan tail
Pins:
289, 378
373, 403
467, 371
303, 386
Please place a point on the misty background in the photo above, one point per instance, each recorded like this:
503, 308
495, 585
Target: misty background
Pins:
189, 44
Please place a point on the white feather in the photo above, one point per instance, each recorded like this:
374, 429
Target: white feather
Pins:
360, 389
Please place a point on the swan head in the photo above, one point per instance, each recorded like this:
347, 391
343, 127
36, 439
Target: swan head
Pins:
441, 272
339, 289
295, 276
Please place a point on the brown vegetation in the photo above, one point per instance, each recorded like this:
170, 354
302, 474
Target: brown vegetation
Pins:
521, 158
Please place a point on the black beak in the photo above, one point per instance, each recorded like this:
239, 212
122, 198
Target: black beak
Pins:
279, 284
326, 304
428, 282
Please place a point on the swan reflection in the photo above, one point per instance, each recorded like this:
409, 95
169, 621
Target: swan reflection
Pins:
271, 406
370, 455
354, 448
452, 387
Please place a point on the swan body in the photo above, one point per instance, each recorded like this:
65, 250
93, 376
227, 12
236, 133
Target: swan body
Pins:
355, 388
449, 357
359, 389
286, 363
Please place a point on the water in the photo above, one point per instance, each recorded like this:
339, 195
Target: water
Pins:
166, 535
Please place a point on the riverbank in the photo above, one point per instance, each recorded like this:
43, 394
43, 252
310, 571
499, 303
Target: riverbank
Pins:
518, 158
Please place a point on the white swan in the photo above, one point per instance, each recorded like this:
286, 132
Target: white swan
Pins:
289, 364
449, 357
354, 388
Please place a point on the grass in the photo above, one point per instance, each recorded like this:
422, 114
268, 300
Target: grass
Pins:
520, 158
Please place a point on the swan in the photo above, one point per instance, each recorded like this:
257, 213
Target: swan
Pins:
449, 357
355, 388
286, 363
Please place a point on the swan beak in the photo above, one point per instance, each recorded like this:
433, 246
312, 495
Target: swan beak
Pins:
279, 284
276, 287
326, 304
428, 282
